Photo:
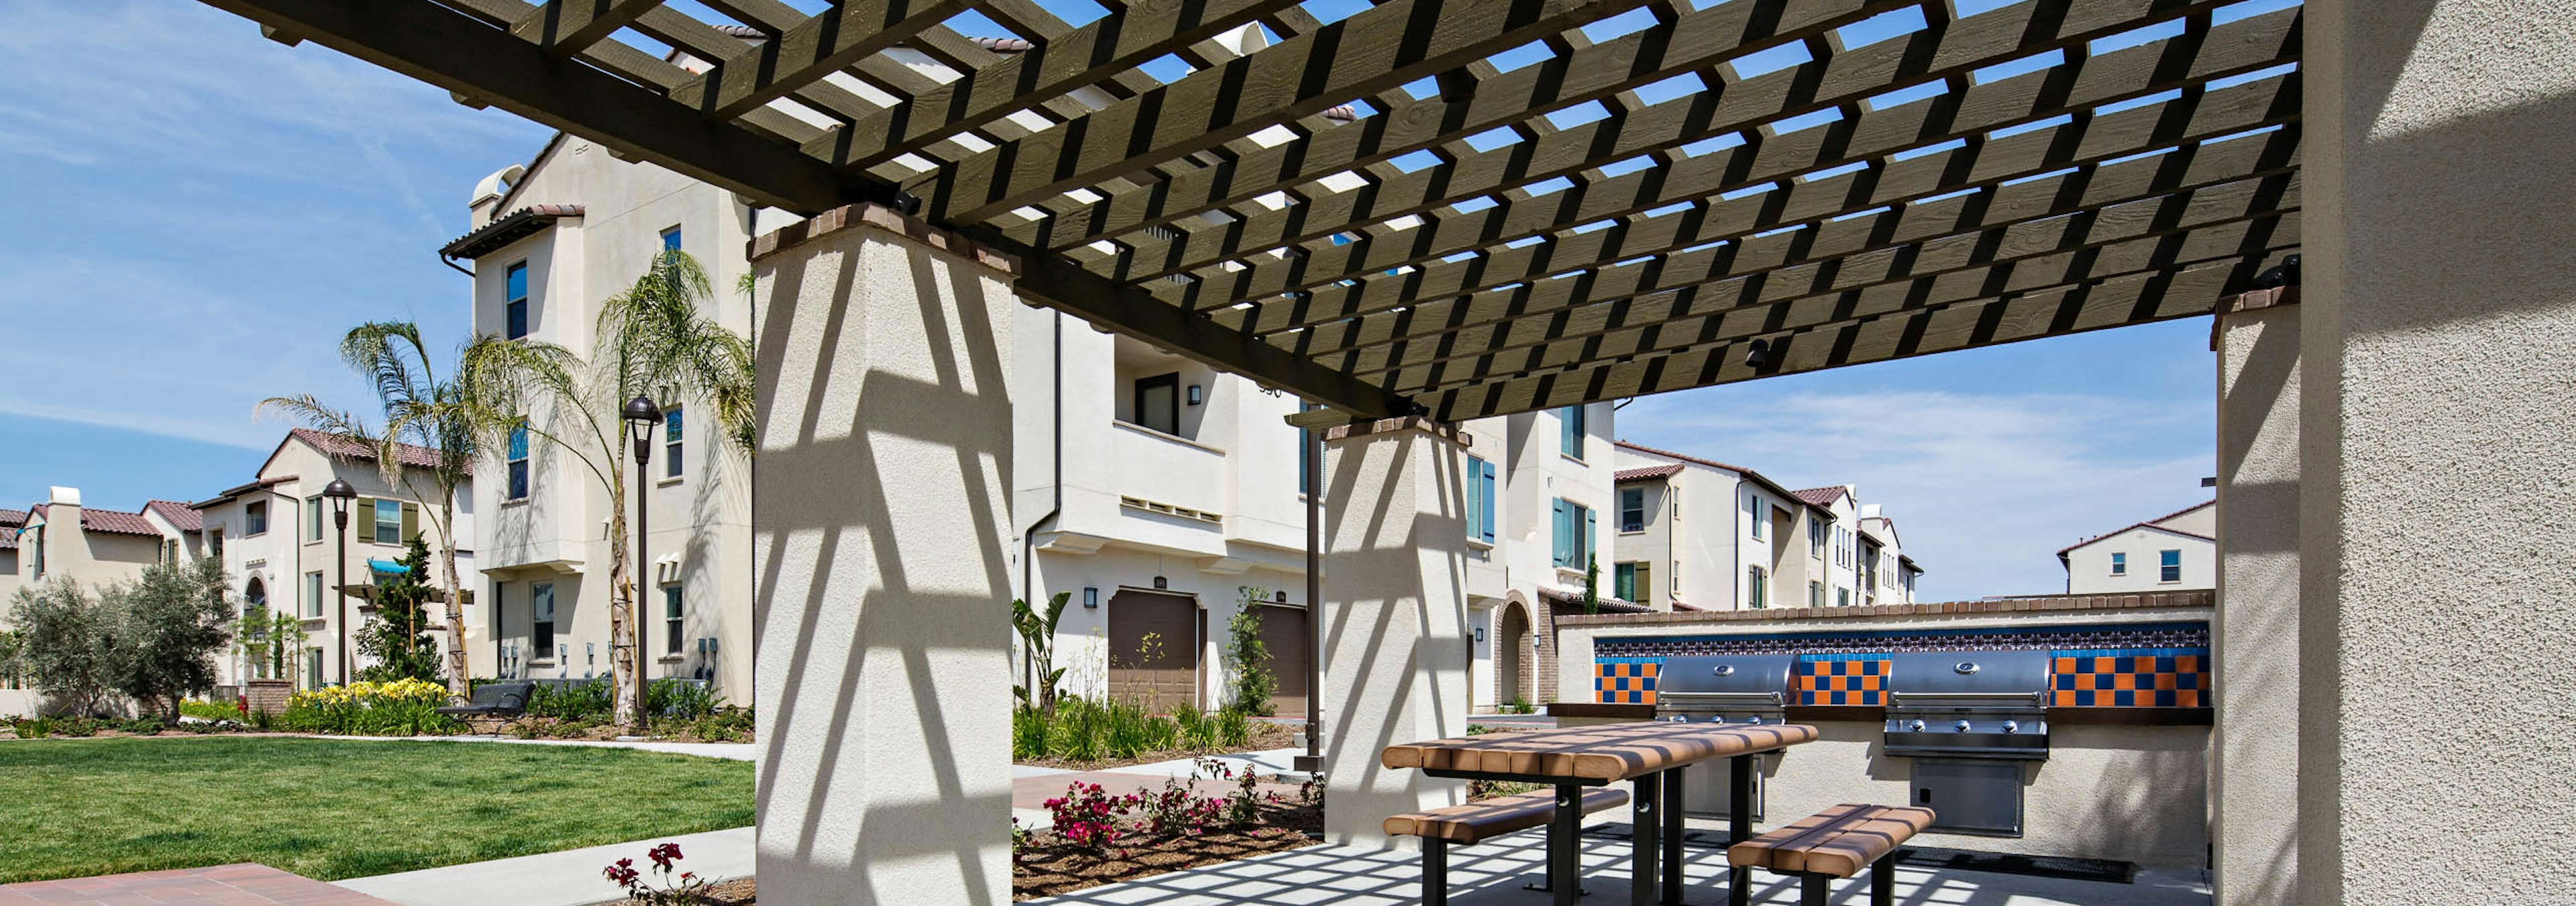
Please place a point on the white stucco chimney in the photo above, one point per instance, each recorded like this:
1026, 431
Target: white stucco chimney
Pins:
62, 496
487, 193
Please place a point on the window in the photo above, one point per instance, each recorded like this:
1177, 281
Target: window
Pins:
1815, 593
671, 239
517, 294
388, 522
541, 630
1574, 528
1633, 582
254, 596
1757, 587
313, 595
312, 519
1570, 419
254, 518
1842, 597
1632, 509
2119, 564
518, 459
2169, 566
1480, 500
672, 434
1158, 403
312, 668
671, 619
1816, 541
1756, 514
170, 552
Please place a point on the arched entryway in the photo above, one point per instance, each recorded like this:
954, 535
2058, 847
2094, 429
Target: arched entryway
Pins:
1512, 655
254, 595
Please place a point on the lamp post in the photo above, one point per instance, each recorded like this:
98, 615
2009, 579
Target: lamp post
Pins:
641, 417
340, 494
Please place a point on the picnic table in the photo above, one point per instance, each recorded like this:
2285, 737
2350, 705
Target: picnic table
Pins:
1651, 756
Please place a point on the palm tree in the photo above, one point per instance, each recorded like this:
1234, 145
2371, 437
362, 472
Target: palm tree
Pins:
419, 410
653, 340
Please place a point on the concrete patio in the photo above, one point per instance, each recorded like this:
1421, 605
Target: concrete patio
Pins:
1491, 874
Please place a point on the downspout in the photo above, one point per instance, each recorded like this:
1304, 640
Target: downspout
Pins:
1736, 545
1029, 536
451, 263
1314, 441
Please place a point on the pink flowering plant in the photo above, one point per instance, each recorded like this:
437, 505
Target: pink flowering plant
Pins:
662, 887
1087, 816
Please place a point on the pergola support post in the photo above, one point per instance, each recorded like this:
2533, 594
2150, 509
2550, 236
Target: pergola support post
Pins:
2437, 414
1394, 590
2253, 762
881, 528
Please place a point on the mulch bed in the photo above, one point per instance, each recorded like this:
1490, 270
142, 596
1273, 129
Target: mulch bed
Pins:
1047, 868
1265, 735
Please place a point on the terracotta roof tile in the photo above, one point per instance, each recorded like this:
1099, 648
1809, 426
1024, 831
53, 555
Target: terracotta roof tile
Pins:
1648, 473
8, 538
335, 446
1824, 496
1756, 477
10, 517
508, 228
110, 521
180, 515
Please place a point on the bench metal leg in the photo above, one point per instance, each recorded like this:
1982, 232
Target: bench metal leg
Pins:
1812, 889
1739, 825
1435, 872
1564, 841
1882, 881
1672, 837
1646, 827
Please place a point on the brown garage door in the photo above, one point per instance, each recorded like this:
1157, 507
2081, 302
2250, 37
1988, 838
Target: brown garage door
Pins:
1283, 632
1153, 649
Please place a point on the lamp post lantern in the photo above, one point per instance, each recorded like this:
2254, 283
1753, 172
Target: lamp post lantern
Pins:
340, 494
642, 416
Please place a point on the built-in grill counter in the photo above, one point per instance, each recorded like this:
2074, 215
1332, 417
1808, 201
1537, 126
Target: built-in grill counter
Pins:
1973, 722
1727, 689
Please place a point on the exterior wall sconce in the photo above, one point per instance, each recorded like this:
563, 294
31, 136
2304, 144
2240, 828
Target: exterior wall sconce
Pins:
1091, 599
1197, 396
1161, 583
1480, 635
1283, 596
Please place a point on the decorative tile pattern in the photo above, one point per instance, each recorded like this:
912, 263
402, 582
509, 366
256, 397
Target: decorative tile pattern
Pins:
1628, 681
2132, 666
2131, 678
1841, 679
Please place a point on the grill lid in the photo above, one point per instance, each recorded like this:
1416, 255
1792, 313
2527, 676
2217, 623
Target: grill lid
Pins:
1724, 679
2004, 678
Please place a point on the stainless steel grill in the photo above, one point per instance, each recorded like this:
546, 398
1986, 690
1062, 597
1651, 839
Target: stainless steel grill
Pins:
1732, 689
1969, 704
1973, 722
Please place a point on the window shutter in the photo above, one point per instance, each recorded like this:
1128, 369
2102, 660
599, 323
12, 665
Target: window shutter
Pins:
1485, 493
1591, 534
1564, 534
1475, 497
410, 521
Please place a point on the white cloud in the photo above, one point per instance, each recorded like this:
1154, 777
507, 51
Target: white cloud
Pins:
1984, 488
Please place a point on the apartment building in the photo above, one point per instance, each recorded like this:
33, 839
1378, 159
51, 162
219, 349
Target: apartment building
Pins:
1698, 534
2178, 550
60, 538
276, 538
1539, 498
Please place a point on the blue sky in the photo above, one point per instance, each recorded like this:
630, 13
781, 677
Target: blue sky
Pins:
190, 229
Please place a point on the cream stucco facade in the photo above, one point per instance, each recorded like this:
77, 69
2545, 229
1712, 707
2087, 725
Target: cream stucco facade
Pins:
2175, 551
1705, 535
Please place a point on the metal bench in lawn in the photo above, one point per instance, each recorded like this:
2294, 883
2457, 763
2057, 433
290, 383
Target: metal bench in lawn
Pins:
1836, 843
1476, 822
503, 701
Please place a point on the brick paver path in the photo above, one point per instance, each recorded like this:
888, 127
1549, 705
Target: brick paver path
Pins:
222, 885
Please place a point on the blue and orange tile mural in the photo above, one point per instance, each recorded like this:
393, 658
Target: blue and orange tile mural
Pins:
2158, 665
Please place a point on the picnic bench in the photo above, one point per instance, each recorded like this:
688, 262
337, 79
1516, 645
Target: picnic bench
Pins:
1476, 822
1834, 843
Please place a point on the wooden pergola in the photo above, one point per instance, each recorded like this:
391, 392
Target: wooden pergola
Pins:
1466, 208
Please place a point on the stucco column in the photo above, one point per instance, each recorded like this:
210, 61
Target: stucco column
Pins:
2438, 407
2254, 753
880, 522
1395, 631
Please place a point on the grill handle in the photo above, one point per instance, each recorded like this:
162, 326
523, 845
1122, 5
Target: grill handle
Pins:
2035, 697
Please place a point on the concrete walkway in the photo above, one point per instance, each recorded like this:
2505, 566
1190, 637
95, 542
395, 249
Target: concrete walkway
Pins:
244, 884
568, 878
732, 751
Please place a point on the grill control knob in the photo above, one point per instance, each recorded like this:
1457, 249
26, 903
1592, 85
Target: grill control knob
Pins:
1755, 719
2012, 726
1916, 726
1964, 725
1678, 719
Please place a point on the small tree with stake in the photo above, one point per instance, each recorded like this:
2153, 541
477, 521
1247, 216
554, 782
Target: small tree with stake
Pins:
399, 637
1247, 658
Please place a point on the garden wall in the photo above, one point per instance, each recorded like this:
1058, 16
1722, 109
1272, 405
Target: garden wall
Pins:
19, 702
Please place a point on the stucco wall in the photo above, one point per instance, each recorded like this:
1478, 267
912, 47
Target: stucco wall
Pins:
2439, 303
2255, 633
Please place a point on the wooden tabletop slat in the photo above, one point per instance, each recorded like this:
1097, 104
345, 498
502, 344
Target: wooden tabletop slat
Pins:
1600, 754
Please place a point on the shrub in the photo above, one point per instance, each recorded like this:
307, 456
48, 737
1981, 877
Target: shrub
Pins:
662, 888
35, 728
140, 726
76, 727
400, 638
1247, 658
592, 701
405, 707
1198, 728
1233, 729
209, 710
724, 724
681, 699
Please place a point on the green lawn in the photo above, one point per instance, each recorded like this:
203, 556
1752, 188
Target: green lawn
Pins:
335, 809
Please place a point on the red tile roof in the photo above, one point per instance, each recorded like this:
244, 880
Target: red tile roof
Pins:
1648, 473
1824, 496
180, 515
233, 493
1756, 477
110, 521
13, 517
2063, 551
508, 228
8, 538
338, 447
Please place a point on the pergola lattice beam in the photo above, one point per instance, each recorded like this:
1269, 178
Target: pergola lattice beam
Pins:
840, 36
572, 26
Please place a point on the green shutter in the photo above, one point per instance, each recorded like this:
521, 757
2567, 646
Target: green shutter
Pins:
410, 521
1591, 537
1564, 534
